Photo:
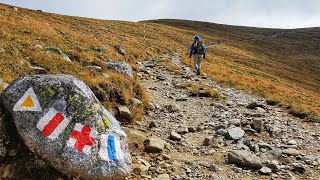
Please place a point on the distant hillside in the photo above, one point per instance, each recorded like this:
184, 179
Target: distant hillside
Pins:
282, 64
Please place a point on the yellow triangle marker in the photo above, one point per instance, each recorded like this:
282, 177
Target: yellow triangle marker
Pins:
28, 102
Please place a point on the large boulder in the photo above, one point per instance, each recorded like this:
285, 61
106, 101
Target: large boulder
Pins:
121, 67
59, 118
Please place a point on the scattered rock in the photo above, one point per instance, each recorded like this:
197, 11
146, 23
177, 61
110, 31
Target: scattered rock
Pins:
292, 142
207, 141
298, 167
153, 124
162, 177
236, 122
120, 67
171, 108
38, 46
235, 133
310, 160
291, 152
265, 171
297, 113
58, 51
99, 49
175, 136
166, 156
35, 101
2, 50
154, 145
244, 158
265, 146
136, 102
38, 70
274, 166
15, 8
124, 114
161, 78
120, 50
257, 124
192, 129
253, 105
271, 102
8, 171
94, 68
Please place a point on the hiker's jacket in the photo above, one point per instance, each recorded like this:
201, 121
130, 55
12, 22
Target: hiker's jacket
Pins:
197, 48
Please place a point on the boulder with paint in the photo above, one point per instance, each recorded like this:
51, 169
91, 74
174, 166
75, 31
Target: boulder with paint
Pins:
60, 119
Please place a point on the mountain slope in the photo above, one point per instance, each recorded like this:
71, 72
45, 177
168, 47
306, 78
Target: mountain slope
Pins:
282, 64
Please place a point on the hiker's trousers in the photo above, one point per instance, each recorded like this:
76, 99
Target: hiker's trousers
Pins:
197, 61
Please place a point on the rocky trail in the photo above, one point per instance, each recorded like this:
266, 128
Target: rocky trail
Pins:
237, 136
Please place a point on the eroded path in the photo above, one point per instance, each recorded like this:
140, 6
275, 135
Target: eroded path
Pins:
288, 146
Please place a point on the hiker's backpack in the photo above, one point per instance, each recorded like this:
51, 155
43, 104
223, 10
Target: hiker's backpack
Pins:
198, 48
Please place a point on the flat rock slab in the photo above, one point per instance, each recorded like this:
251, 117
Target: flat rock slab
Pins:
244, 158
59, 118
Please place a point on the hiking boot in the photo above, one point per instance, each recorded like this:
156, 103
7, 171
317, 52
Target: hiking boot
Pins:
198, 71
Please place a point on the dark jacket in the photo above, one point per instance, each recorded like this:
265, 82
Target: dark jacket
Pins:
194, 49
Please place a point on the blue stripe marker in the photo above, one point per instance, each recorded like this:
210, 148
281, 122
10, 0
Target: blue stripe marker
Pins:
111, 149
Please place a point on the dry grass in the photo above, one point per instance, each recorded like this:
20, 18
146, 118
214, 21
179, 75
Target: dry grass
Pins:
285, 67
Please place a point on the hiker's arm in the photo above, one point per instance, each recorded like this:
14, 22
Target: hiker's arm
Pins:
204, 52
191, 50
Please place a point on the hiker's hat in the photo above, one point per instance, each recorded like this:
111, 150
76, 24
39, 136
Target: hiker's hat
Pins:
197, 37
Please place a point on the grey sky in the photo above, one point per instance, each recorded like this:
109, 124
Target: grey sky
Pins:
259, 13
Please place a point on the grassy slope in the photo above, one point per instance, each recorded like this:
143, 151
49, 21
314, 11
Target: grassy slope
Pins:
285, 68
277, 63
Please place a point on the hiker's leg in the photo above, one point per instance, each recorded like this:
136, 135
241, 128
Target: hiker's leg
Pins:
199, 61
195, 58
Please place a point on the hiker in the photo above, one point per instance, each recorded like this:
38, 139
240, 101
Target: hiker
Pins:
198, 50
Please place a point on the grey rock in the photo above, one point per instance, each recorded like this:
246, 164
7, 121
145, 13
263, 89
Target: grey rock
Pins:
171, 108
58, 51
292, 152
298, 167
253, 105
309, 159
2, 50
273, 165
271, 102
120, 50
192, 129
265, 146
265, 171
175, 136
244, 158
124, 114
292, 142
38, 70
154, 145
120, 67
153, 124
38, 46
222, 132
257, 124
47, 98
236, 122
235, 133
94, 68
207, 141
136, 102
15, 8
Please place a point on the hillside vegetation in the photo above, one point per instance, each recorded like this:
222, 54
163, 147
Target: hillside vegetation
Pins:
279, 64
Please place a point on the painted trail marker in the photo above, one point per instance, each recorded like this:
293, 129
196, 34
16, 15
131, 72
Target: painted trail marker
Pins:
52, 124
110, 147
28, 102
82, 138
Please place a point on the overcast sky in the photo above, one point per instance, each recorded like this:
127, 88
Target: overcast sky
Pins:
259, 13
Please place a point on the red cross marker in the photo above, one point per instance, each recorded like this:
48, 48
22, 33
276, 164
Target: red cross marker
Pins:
82, 138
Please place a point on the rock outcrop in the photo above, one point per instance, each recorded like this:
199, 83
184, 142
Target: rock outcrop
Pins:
59, 118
